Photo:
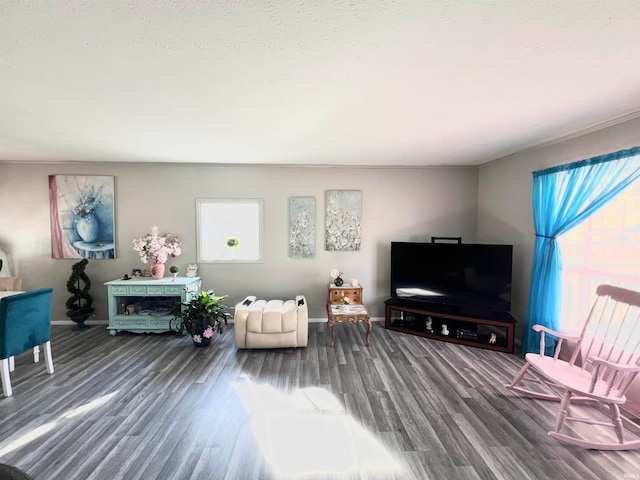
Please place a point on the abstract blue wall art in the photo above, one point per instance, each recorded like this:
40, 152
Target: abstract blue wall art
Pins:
82, 216
302, 227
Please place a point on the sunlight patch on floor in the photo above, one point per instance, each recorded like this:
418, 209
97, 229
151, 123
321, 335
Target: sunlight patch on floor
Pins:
308, 432
41, 430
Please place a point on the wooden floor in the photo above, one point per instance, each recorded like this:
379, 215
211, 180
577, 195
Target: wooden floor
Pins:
154, 407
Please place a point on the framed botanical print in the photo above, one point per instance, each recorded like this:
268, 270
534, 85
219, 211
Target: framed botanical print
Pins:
342, 220
302, 227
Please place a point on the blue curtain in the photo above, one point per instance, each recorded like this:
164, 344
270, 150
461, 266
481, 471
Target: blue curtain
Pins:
563, 197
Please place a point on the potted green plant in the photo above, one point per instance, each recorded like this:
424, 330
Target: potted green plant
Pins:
79, 303
202, 316
174, 269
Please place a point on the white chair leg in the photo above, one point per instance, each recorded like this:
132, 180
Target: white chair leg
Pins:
36, 354
12, 364
48, 359
6, 380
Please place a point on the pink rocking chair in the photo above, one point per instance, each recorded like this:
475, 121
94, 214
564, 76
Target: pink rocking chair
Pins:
602, 365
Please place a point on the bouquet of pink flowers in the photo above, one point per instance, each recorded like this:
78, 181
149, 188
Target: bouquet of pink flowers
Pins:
156, 248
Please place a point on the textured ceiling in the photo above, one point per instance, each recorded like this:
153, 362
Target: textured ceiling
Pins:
310, 82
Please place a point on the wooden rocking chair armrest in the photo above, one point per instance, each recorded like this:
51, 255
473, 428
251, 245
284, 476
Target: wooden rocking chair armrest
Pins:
616, 366
561, 336
564, 336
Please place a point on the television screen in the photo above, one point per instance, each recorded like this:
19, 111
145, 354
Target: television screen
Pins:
470, 278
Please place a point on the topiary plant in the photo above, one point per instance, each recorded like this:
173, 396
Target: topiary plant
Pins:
79, 303
174, 269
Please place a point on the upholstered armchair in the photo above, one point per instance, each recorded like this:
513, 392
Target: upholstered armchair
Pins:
25, 323
271, 324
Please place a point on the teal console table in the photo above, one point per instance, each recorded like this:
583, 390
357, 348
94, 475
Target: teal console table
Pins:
143, 305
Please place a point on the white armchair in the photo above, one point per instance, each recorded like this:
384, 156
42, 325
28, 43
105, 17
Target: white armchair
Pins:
271, 324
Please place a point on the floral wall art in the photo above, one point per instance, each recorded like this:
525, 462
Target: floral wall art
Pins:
302, 227
82, 216
342, 220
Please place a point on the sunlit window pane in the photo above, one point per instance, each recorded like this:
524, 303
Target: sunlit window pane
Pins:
603, 249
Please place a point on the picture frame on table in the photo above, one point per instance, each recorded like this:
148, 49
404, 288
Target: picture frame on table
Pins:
192, 270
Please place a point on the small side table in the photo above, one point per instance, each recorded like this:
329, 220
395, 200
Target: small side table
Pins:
354, 312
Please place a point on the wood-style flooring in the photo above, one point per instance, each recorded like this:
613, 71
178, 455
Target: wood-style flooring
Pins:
154, 407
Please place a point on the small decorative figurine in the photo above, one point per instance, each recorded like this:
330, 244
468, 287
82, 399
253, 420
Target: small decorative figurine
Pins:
354, 282
192, 269
428, 324
492, 338
445, 330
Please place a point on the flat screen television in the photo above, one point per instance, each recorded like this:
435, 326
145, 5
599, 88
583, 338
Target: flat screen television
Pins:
466, 278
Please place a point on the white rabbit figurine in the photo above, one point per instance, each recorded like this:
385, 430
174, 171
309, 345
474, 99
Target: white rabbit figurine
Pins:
445, 330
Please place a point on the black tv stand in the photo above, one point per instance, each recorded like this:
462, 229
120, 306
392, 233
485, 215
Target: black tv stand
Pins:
494, 331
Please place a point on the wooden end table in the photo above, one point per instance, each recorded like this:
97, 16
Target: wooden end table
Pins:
354, 313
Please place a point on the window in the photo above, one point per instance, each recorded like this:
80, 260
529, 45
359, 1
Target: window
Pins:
229, 230
603, 249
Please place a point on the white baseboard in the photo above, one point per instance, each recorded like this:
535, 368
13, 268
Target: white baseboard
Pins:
71, 322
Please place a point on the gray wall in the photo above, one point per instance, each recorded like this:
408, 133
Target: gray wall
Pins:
407, 204
504, 196
491, 204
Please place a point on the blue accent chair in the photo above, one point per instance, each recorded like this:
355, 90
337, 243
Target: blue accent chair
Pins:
25, 323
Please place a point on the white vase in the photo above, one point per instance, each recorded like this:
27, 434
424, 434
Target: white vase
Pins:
88, 228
